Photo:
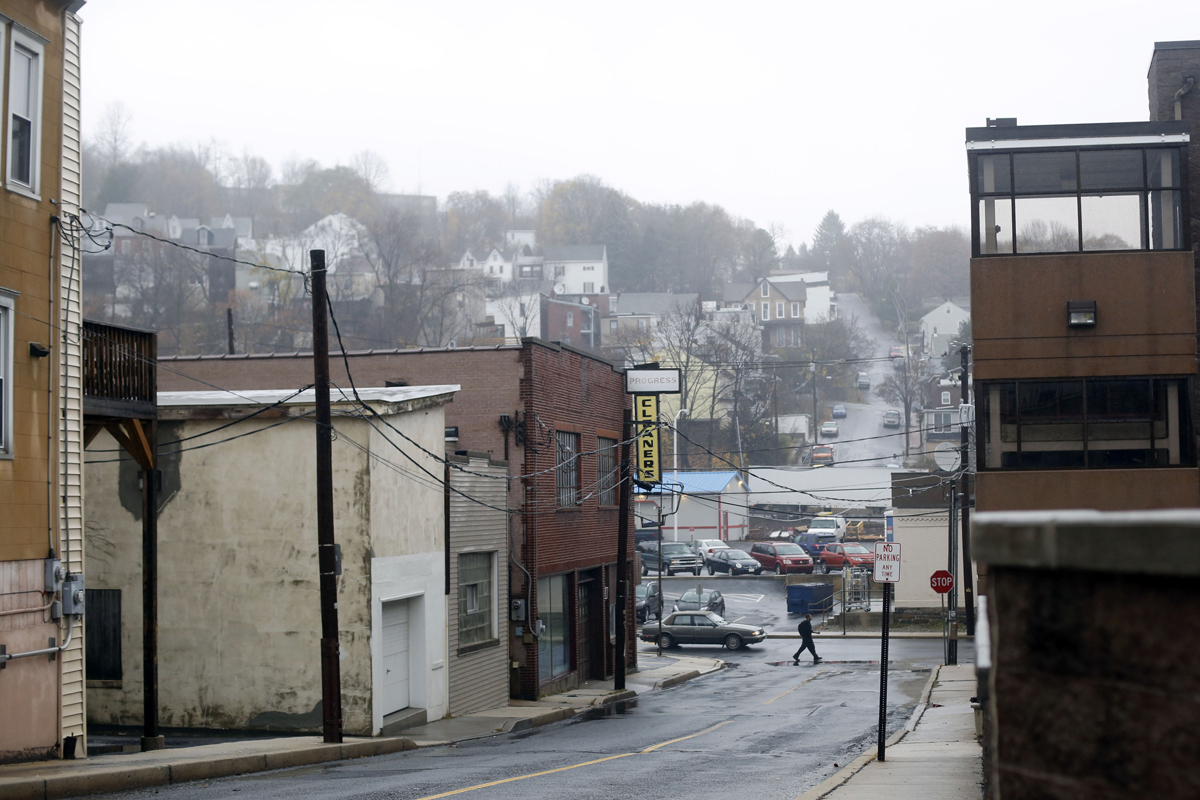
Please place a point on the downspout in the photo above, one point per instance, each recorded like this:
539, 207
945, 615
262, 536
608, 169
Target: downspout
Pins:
1189, 83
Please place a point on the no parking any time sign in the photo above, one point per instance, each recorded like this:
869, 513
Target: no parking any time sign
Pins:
887, 562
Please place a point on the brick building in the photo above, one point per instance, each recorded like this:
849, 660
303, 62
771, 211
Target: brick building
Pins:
554, 413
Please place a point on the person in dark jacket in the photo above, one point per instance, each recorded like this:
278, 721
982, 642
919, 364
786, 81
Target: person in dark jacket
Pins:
806, 641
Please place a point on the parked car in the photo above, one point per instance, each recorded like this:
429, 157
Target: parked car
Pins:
706, 547
701, 600
864, 380
842, 554
735, 562
896, 352
688, 627
829, 428
812, 541
647, 601
822, 454
781, 557
839, 411
675, 557
891, 419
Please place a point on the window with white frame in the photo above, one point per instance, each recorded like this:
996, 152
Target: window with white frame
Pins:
589, 288
570, 319
6, 368
476, 598
779, 311
795, 309
766, 311
781, 337
24, 110
945, 398
765, 288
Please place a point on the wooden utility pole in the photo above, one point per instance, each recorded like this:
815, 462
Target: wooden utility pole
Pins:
151, 740
331, 676
968, 582
622, 550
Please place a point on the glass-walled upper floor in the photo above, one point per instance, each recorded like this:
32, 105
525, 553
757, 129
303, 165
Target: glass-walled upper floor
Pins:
1059, 195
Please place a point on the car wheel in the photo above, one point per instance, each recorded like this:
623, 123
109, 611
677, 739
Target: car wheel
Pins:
821, 568
670, 574
666, 641
733, 642
779, 569
711, 571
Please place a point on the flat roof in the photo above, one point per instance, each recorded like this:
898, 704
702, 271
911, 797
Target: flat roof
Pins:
288, 397
1099, 133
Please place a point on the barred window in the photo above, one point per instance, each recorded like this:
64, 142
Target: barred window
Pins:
609, 477
568, 468
475, 618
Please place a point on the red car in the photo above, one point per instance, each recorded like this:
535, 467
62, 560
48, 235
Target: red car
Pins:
896, 352
781, 557
839, 554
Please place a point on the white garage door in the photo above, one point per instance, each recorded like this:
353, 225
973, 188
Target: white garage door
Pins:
394, 688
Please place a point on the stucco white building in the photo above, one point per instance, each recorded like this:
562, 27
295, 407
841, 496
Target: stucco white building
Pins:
577, 269
939, 327
706, 505
238, 614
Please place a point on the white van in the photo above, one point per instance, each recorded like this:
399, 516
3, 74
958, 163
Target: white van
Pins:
828, 523
864, 380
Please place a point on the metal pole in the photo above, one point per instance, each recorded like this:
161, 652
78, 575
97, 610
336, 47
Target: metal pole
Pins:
331, 678
675, 466
623, 551
229, 327
150, 735
968, 578
883, 674
952, 600
662, 601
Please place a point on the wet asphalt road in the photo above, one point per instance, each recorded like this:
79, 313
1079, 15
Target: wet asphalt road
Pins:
761, 728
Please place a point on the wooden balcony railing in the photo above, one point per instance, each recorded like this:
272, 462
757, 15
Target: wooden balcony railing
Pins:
120, 377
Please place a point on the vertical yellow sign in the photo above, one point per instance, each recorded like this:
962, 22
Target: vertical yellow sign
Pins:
645, 415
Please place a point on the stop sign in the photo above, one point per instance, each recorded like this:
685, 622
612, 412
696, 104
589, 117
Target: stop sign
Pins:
941, 581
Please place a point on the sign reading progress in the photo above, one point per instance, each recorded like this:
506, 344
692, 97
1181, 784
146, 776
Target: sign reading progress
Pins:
651, 381
645, 416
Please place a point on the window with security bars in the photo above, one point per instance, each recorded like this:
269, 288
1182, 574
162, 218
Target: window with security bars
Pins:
475, 617
609, 478
568, 468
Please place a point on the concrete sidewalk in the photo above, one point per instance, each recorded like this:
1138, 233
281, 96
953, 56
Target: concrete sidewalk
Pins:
49, 780
935, 757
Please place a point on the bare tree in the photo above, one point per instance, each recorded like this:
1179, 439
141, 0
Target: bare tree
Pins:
372, 168
905, 387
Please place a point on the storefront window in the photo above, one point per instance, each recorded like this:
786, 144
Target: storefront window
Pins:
554, 642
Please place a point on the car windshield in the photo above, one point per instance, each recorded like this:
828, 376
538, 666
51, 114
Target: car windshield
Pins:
641, 590
737, 555
857, 549
789, 550
715, 617
673, 548
692, 596
822, 523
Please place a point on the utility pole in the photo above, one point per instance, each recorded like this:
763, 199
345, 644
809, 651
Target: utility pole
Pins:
965, 491
952, 645
622, 550
151, 738
812, 367
229, 328
331, 676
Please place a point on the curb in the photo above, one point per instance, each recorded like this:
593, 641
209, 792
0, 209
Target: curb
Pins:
126, 778
835, 781
550, 717
675, 680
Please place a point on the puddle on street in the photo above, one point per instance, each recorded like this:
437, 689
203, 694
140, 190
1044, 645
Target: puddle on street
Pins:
619, 708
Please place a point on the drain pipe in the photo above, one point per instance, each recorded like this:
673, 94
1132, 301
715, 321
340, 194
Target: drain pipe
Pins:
1187, 87
48, 651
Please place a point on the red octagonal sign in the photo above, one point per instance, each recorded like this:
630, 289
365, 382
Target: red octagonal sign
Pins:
941, 581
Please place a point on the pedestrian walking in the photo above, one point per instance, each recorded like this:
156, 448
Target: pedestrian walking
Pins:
806, 641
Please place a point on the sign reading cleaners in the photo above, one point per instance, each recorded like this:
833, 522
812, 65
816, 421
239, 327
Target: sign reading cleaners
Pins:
645, 415
646, 385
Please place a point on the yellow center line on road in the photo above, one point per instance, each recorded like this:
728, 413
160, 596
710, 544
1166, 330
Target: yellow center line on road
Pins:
573, 766
794, 688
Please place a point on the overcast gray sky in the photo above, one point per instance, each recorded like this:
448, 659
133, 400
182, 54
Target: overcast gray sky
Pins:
777, 111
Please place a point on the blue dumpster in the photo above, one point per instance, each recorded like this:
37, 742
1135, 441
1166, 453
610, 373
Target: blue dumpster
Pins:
809, 598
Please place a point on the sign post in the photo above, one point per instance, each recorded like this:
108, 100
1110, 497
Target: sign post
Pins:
887, 572
646, 384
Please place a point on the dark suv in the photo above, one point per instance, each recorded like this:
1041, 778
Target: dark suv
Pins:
781, 557
813, 541
675, 557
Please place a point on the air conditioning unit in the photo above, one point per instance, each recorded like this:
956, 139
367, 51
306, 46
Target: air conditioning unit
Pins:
453, 343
